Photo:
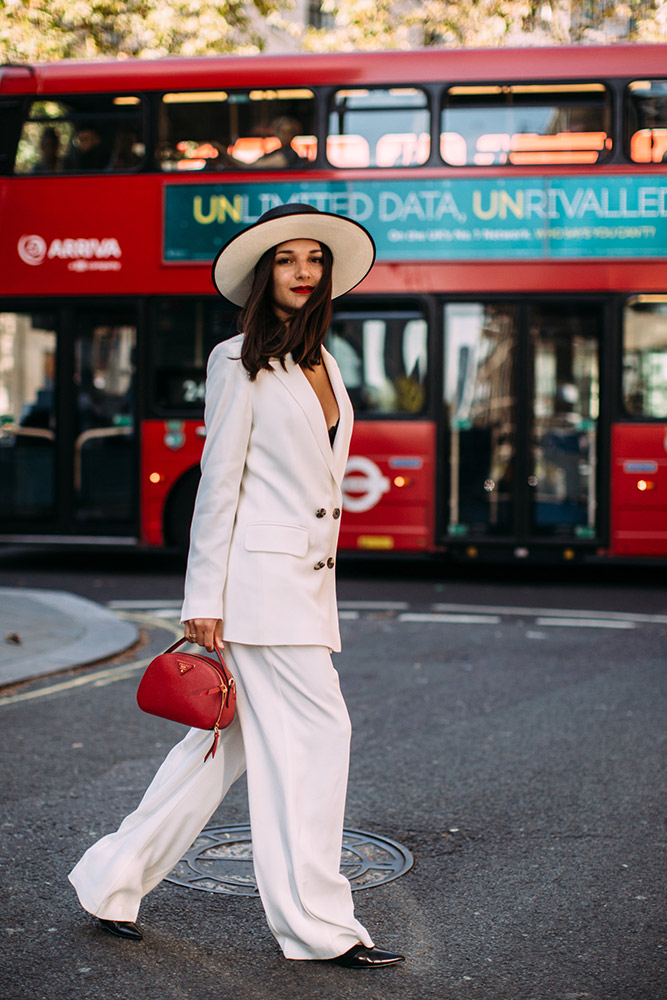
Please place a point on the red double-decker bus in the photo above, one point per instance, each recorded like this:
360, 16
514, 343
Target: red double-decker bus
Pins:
506, 357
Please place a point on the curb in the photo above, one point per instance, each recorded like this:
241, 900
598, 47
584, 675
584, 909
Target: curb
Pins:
57, 631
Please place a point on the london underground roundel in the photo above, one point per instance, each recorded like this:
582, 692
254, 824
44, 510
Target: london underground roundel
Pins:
364, 484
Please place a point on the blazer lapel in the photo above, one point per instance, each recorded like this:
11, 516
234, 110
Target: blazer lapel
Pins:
299, 387
344, 433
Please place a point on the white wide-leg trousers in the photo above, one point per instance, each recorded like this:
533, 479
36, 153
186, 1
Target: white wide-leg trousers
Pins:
292, 734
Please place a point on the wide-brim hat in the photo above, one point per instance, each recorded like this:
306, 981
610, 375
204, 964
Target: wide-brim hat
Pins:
351, 245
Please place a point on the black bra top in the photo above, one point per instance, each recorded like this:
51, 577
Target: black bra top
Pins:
332, 432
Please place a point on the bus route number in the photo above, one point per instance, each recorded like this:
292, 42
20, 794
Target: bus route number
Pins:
193, 392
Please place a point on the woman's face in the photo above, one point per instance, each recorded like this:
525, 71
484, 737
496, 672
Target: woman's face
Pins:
297, 270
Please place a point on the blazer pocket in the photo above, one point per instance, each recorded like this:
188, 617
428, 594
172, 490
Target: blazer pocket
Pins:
268, 536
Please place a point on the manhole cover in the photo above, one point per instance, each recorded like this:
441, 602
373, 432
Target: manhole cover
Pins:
220, 860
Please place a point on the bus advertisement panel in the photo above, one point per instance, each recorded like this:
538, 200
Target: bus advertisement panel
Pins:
484, 219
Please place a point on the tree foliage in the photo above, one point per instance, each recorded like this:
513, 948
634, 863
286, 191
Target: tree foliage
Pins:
44, 30
404, 24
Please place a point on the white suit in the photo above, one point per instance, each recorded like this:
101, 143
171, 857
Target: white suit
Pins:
262, 552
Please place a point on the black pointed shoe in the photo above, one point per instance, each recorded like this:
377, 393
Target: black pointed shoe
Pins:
122, 929
361, 957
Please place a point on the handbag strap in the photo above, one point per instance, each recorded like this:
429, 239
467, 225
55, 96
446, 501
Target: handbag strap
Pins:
225, 672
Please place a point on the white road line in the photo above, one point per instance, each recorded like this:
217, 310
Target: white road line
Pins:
374, 605
349, 616
553, 612
170, 608
98, 678
172, 613
584, 623
452, 619
143, 604
165, 608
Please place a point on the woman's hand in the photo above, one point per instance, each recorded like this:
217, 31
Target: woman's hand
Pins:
205, 632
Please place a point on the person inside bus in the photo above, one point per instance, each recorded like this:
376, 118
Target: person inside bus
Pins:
49, 147
87, 152
124, 154
589, 122
260, 579
285, 129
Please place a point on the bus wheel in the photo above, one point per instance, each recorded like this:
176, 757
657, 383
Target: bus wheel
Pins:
178, 511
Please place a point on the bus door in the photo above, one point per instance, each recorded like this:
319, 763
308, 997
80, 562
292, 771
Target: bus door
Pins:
68, 463
28, 420
521, 413
104, 457
563, 415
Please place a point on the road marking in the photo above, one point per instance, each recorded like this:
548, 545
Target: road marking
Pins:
98, 678
172, 613
552, 613
584, 623
453, 619
374, 605
453, 614
164, 609
144, 603
464, 614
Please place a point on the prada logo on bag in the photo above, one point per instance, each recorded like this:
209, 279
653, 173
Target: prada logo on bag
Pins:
184, 667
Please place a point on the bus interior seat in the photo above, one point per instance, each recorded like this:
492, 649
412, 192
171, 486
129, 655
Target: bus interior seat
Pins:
348, 151
492, 148
305, 146
402, 149
563, 147
649, 145
453, 149
249, 148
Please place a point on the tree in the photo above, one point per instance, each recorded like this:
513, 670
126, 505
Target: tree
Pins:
405, 24
44, 30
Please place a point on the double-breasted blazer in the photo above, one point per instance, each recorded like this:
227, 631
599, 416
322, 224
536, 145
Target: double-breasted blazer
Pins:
267, 514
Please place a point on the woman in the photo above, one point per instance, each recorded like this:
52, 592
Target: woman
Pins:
259, 577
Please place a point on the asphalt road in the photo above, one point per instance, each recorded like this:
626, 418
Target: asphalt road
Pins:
513, 743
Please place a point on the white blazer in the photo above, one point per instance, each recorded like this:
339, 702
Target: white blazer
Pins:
267, 515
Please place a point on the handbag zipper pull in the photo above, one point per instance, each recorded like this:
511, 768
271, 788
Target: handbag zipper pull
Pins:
214, 744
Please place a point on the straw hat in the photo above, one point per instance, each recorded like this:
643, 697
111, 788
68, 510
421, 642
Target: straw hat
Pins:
352, 247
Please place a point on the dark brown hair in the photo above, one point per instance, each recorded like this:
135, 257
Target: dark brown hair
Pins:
266, 336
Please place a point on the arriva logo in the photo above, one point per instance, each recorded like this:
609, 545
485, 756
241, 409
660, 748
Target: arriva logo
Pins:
32, 249
82, 254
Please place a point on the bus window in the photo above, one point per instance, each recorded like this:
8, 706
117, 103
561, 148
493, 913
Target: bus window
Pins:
27, 416
380, 127
646, 121
525, 124
383, 361
82, 133
645, 356
184, 332
251, 129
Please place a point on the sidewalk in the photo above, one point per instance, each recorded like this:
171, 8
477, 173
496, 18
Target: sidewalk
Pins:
43, 631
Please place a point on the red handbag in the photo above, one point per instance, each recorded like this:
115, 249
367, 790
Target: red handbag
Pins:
189, 688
